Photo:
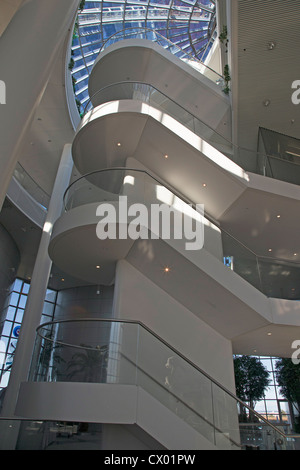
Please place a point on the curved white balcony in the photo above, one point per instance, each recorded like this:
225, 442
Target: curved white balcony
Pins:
178, 153
145, 61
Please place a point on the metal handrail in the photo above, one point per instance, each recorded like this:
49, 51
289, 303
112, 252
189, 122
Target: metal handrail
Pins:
193, 116
162, 183
153, 31
44, 198
87, 348
165, 343
182, 197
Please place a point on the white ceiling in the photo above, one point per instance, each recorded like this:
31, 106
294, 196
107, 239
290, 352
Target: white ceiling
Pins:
8, 9
260, 74
51, 129
41, 153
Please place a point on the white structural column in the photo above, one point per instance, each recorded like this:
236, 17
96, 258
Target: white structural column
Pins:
38, 288
28, 48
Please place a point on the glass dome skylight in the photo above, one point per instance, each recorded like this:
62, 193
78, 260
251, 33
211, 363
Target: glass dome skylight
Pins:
190, 24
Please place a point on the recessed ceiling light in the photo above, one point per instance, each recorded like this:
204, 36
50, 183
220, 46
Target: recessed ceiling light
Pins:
295, 254
166, 156
119, 144
278, 216
62, 279
97, 267
166, 269
269, 334
270, 249
204, 185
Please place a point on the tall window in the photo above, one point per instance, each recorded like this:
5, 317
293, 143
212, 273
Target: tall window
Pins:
12, 317
274, 407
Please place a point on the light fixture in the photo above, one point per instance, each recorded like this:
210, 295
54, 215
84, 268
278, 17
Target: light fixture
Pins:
269, 334
271, 45
166, 269
62, 279
295, 254
166, 156
204, 185
278, 216
270, 249
266, 103
119, 144
97, 267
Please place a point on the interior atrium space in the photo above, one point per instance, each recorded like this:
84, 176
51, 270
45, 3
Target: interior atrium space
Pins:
149, 229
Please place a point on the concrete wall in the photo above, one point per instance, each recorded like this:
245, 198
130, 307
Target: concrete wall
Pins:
138, 298
163, 373
84, 302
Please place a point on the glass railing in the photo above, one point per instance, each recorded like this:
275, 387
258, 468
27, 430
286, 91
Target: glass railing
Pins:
154, 36
273, 277
37, 434
35, 191
127, 352
149, 95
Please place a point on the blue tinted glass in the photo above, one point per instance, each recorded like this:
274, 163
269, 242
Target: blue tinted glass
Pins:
22, 301
10, 314
19, 316
14, 298
190, 24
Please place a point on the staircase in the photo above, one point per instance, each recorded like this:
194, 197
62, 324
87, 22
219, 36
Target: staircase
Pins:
125, 374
